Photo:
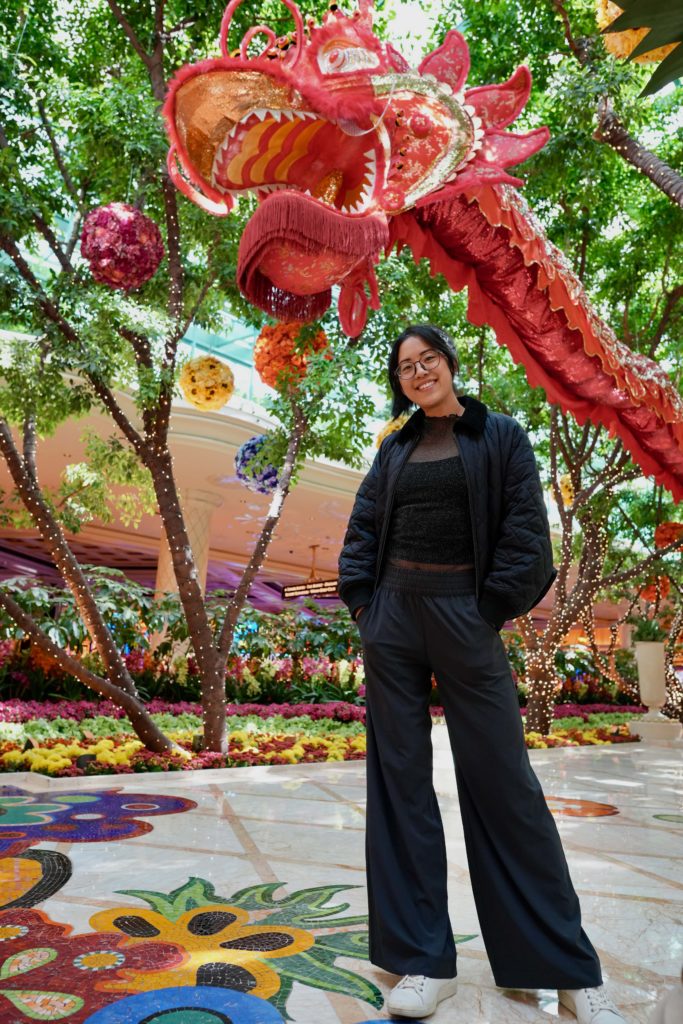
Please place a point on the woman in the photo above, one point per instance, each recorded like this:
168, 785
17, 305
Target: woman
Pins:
448, 539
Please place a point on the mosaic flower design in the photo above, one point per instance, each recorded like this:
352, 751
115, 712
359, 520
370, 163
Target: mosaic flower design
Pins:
579, 808
186, 1005
101, 816
222, 948
294, 939
48, 974
32, 877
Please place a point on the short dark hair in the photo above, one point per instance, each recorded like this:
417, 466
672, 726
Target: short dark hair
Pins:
435, 338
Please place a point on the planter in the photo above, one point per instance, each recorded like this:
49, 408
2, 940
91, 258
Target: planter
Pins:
654, 725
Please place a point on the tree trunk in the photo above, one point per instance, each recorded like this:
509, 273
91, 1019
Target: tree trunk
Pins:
274, 512
541, 682
211, 670
611, 131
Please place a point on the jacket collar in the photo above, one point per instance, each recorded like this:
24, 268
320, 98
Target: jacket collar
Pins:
473, 419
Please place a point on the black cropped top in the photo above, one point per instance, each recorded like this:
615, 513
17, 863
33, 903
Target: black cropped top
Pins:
430, 525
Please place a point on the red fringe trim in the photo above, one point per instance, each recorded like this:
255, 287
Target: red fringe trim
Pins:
311, 227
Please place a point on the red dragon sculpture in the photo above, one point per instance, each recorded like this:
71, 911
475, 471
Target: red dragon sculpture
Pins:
351, 152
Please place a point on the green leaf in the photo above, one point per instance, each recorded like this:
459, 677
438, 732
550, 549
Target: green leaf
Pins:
303, 908
279, 1000
196, 892
316, 969
353, 944
669, 70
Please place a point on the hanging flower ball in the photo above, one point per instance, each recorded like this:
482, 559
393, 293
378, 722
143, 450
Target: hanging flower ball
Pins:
276, 351
266, 480
656, 589
122, 246
667, 533
391, 427
567, 489
207, 382
621, 44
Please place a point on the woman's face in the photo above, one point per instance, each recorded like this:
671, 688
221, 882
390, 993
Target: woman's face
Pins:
431, 389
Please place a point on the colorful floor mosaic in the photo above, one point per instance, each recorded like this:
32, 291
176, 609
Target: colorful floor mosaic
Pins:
237, 897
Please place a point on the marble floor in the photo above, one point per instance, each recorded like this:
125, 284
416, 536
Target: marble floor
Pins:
237, 897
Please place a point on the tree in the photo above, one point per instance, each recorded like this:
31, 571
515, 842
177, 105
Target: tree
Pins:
84, 132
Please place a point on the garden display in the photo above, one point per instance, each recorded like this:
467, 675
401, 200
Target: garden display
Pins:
87, 738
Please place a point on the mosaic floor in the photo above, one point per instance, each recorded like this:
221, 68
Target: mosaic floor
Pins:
237, 897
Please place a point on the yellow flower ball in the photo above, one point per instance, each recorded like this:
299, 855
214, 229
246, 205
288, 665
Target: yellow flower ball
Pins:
391, 427
207, 382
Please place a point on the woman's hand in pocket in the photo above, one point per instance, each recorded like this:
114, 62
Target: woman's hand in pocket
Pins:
361, 608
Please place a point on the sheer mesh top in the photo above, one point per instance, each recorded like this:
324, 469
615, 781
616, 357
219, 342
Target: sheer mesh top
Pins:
430, 525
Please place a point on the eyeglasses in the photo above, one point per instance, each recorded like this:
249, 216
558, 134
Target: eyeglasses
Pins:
429, 360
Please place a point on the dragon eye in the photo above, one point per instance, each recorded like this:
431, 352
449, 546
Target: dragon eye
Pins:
341, 58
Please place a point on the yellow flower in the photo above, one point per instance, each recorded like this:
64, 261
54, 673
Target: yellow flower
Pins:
13, 758
391, 426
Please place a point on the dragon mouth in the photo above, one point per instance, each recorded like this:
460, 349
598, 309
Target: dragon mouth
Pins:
272, 150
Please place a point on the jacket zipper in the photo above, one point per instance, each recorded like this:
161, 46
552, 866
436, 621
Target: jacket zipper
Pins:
387, 514
474, 532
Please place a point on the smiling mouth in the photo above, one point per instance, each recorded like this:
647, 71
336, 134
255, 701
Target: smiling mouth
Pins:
426, 385
270, 150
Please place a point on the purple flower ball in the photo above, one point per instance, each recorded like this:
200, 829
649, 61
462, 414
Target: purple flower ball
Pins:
263, 482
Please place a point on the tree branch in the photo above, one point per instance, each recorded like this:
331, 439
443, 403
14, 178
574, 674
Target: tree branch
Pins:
59, 159
127, 28
101, 390
672, 299
612, 132
142, 722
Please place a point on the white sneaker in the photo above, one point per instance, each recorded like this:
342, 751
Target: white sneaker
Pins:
590, 1005
418, 996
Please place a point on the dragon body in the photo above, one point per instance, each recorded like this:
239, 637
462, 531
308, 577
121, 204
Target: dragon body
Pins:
351, 153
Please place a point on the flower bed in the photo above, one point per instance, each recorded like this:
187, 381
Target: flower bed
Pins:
76, 738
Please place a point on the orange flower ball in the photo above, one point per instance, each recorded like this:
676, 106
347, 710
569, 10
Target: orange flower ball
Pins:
275, 353
667, 533
657, 587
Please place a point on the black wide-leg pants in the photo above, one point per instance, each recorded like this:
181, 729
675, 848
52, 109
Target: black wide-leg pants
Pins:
418, 623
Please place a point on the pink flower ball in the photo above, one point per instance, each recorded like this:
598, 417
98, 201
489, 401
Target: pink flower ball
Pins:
122, 246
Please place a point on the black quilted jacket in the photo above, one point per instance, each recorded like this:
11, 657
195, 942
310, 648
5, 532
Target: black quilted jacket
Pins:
512, 551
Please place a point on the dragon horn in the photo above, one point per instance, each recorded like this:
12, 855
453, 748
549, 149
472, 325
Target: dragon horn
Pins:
289, 4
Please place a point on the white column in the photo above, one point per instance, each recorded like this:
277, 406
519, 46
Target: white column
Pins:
198, 508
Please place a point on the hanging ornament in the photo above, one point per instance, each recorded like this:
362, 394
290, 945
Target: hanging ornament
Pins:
207, 382
567, 489
391, 427
621, 44
122, 246
667, 533
265, 480
656, 589
276, 351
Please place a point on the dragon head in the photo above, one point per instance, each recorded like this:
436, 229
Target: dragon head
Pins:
334, 133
